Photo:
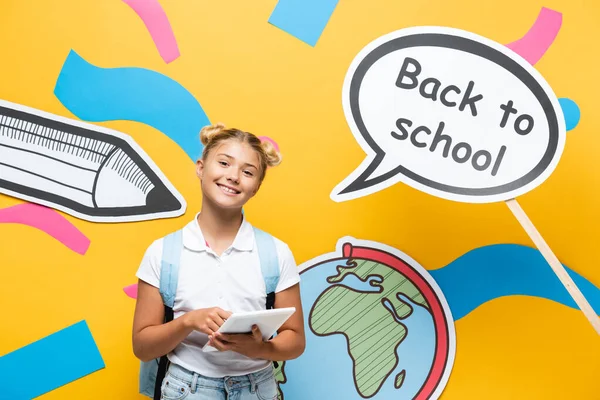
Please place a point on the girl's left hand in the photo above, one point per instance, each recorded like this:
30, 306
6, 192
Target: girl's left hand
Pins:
248, 344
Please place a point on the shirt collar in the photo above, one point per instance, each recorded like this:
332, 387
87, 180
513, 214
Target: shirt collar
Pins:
193, 239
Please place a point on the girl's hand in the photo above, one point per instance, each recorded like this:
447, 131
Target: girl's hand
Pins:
248, 344
206, 320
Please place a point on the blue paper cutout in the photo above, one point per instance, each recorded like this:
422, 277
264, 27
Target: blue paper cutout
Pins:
49, 363
571, 112
495, 271
304, 19
135, 94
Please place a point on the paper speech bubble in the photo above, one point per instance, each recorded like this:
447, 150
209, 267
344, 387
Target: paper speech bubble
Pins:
452, 114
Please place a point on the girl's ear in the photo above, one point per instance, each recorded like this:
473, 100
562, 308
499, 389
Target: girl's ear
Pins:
199, 168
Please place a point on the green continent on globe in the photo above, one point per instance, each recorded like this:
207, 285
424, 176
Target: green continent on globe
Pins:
368, 319
280, 377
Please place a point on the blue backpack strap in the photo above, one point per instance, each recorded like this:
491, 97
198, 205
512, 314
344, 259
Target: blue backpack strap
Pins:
169, 268
169, 275
269, 263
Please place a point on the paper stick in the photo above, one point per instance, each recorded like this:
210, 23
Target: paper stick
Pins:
557, 267
532, 47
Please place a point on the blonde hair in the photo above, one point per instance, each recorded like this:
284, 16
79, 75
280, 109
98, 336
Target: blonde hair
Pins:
212, 135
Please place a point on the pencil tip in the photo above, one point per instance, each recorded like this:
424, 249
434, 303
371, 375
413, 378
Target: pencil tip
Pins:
161, 199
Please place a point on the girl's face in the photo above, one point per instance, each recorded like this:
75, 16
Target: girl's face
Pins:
230, 174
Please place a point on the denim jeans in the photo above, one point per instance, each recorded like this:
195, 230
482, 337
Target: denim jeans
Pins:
179, 384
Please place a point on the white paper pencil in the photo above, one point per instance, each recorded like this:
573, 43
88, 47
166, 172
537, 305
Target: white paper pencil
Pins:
88, 171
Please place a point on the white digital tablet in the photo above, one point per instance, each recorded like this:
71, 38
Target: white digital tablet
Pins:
268, 321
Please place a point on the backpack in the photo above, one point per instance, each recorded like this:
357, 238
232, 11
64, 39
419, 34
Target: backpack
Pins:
152, 372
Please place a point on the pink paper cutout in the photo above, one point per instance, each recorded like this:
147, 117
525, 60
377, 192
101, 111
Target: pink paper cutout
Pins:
49, 221
131, 290
157, 24
268, 139
540, 36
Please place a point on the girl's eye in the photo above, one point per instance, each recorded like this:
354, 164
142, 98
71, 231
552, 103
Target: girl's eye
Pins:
248, 173
223, 163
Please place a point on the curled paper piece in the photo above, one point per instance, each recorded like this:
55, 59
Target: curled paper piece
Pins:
571, 112
157, 24
490, 272
540, 36
134, 94
131, 290
71, 352
48, 221
303, 19
268, 139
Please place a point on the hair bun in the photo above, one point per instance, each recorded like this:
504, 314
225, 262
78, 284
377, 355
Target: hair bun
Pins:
210, 131
273, 155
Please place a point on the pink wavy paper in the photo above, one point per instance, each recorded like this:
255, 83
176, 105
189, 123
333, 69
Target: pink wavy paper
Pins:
48, 221
268, 139
540, 36
157, 24
131, 290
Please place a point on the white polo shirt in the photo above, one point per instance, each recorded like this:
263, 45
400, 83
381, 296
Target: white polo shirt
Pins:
233, 282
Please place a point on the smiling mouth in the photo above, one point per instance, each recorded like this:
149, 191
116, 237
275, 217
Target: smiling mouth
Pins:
228, 190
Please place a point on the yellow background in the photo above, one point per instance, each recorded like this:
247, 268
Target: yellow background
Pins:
249, 74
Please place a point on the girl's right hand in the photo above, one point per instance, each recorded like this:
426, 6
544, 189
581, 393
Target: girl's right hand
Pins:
206, 320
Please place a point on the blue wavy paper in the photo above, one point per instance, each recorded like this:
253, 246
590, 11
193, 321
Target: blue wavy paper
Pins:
135, 94
49, 363
303, 19
490, 272
571, 112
